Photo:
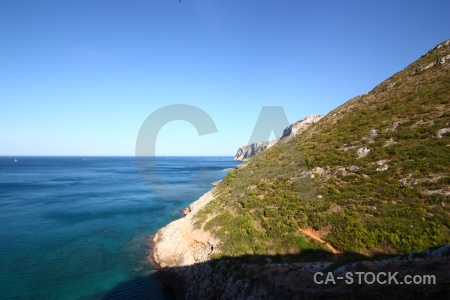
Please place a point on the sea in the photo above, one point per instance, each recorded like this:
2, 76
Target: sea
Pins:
80, 227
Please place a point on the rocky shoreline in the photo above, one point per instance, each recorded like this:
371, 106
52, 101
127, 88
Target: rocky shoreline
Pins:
179, 244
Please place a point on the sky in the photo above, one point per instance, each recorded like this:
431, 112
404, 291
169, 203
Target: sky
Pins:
81, 77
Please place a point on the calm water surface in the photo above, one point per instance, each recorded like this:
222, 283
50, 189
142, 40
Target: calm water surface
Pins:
77, 227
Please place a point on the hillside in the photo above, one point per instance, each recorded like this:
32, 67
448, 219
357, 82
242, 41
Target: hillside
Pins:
370, 177
369, 181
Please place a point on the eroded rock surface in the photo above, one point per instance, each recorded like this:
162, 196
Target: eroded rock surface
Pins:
248, 151
179, 244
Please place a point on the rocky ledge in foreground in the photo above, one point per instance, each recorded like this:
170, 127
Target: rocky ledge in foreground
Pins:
255, 278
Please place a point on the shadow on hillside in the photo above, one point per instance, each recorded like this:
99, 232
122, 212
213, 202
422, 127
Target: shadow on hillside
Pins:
290, 277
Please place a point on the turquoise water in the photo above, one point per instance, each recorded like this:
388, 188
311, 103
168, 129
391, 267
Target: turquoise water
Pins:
78, 227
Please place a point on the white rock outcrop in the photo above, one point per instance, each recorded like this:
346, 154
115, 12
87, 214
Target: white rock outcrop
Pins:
300, 126
442, 131
440, 61
246, 152
179, 244
362, 152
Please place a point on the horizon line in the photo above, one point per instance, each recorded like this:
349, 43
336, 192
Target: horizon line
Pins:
62, 155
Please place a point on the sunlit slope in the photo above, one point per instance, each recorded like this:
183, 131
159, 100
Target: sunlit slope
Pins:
371, 177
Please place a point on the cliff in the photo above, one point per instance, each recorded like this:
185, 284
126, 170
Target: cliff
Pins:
300, 126
179, 244
247, 152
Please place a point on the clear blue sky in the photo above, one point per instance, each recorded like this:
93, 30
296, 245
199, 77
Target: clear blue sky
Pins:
80, 77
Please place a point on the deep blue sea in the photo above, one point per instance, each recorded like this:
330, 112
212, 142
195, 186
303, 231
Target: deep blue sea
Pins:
78, 227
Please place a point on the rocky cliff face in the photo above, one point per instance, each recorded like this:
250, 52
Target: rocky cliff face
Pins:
247, 152
300, 126
179, 244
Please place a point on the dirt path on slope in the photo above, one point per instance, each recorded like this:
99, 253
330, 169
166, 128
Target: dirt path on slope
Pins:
309, 232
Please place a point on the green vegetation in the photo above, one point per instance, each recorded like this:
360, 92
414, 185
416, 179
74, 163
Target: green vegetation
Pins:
391, 201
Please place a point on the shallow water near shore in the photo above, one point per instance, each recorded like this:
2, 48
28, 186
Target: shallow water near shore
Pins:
78, 227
